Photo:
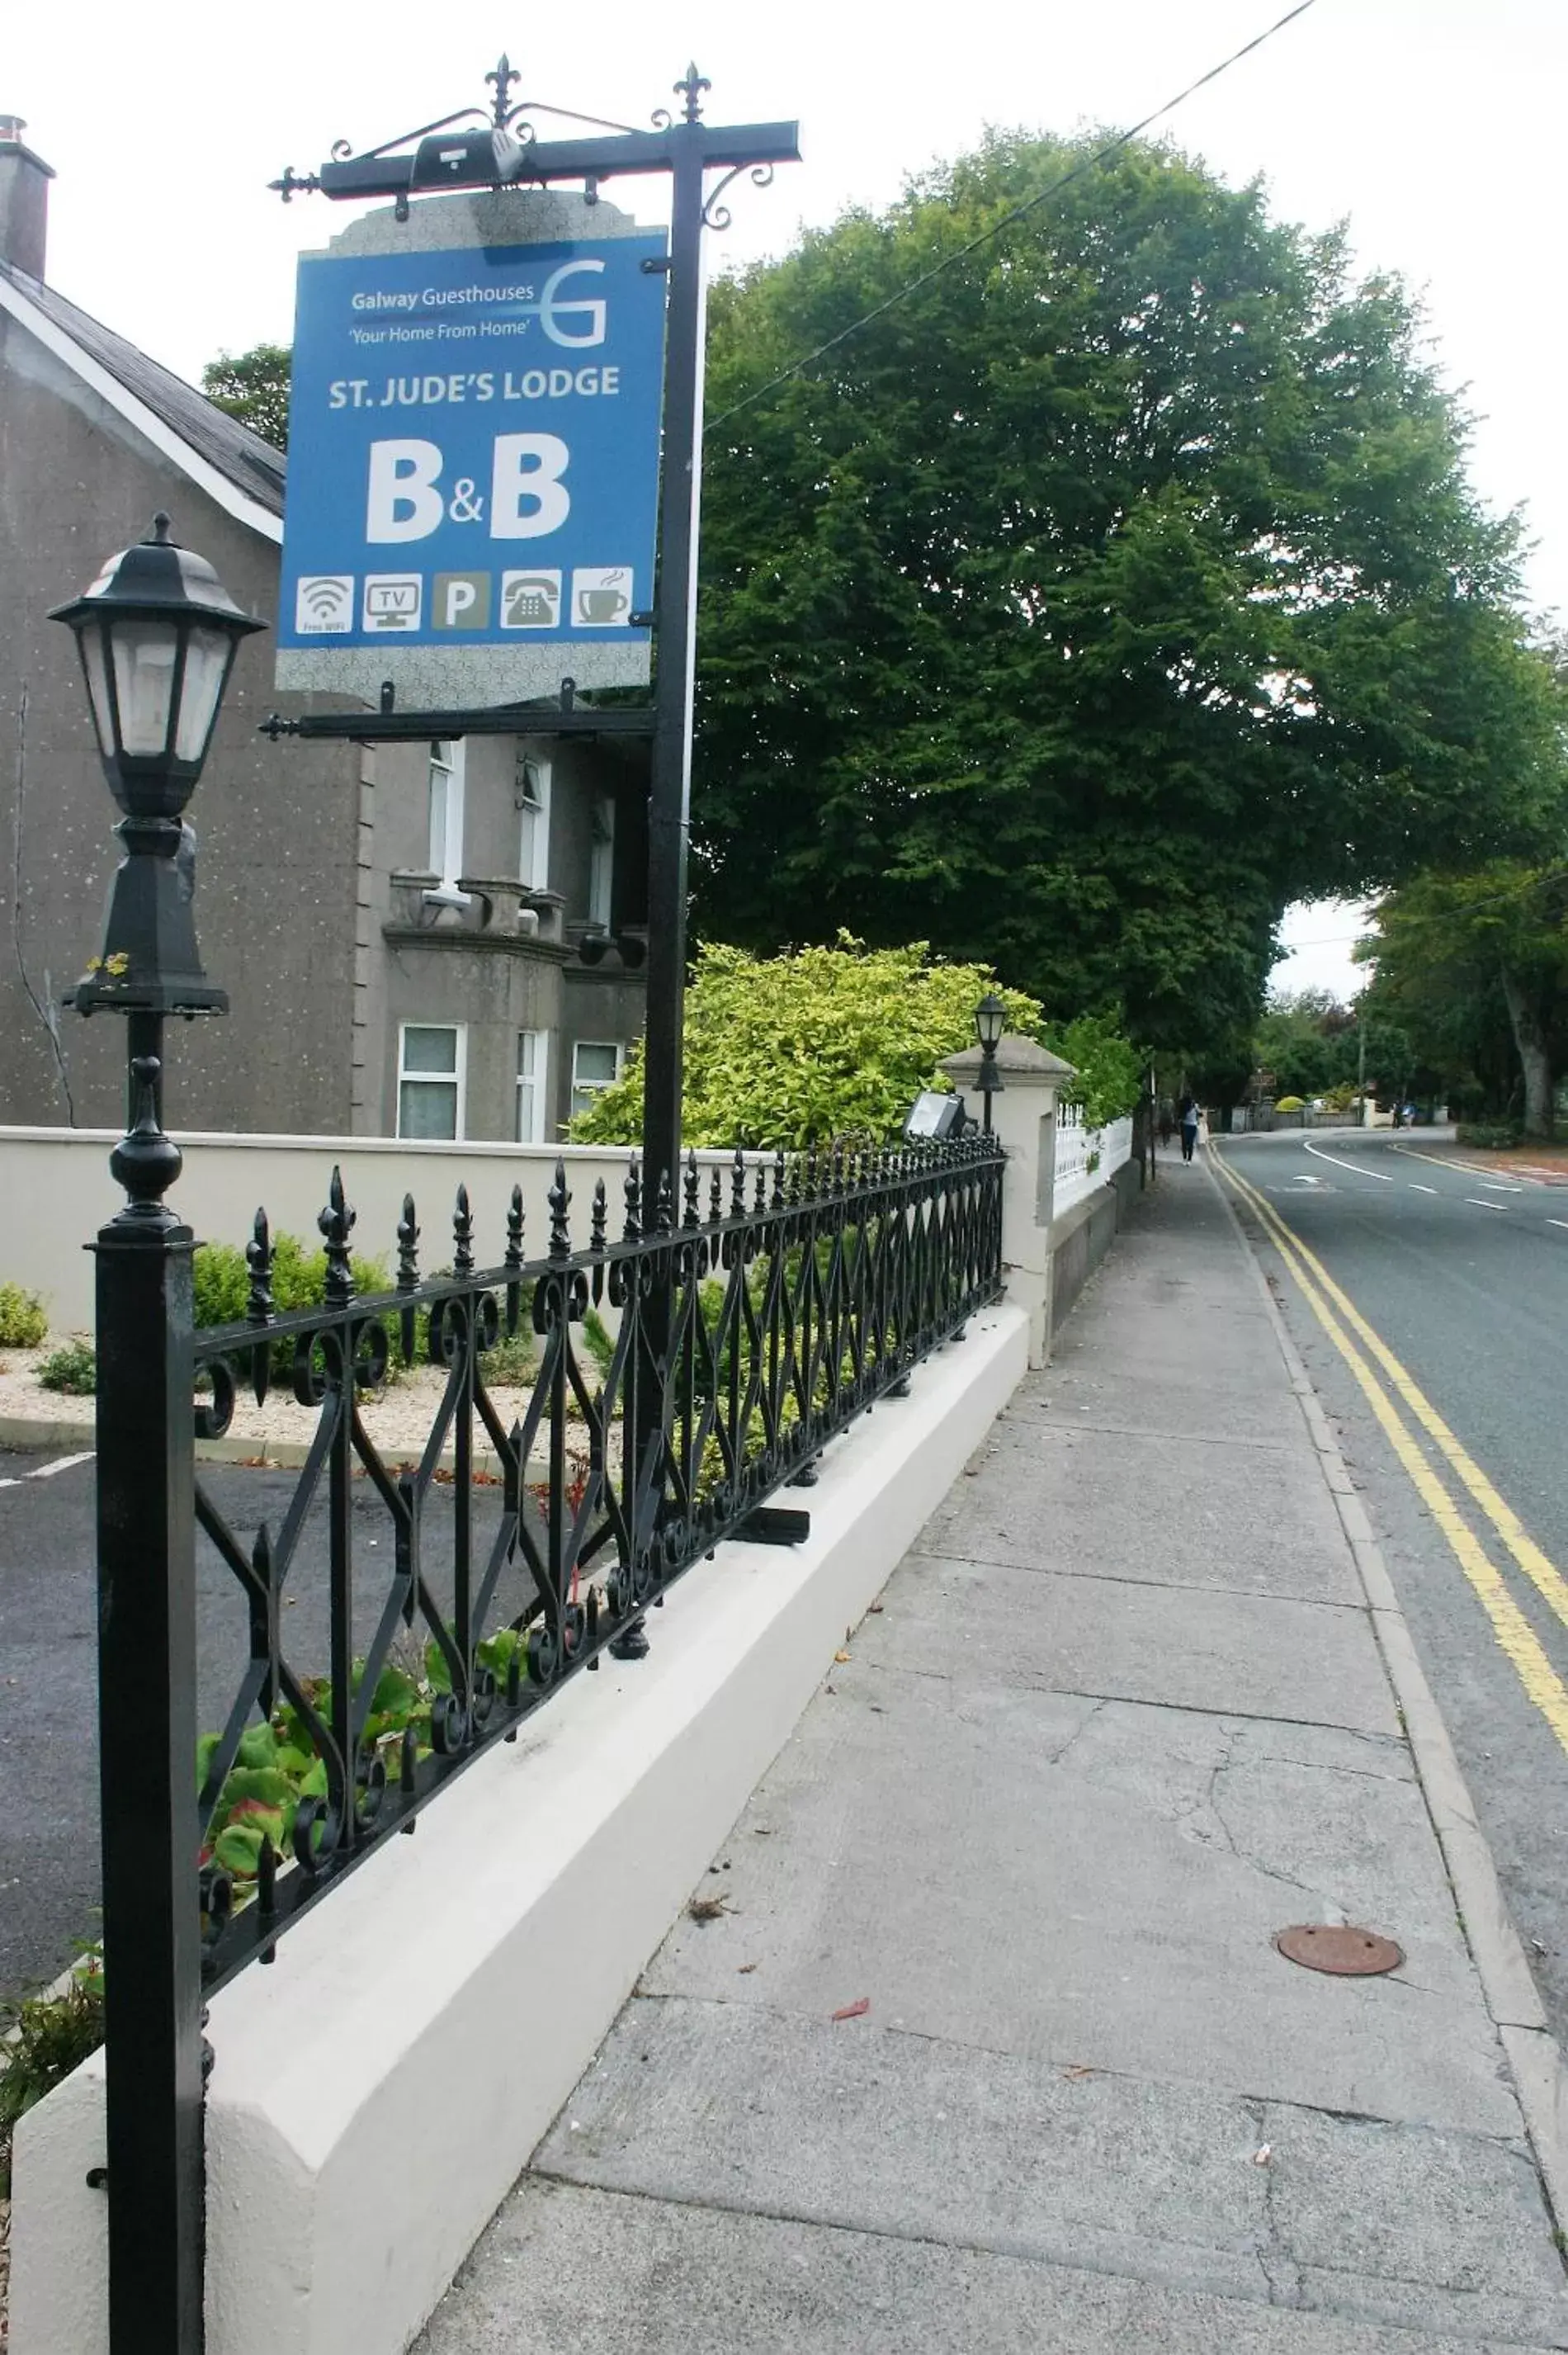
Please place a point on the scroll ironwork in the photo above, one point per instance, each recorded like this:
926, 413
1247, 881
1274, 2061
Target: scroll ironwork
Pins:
800, 1291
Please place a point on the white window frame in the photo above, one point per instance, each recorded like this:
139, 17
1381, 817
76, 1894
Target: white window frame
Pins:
590, 1092
538, 1081
457, 1079
533, 875
447, 758
601, 869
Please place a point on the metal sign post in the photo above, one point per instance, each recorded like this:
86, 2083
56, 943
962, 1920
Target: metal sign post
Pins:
477, 149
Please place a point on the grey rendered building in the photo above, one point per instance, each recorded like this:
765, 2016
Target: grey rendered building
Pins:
401, 932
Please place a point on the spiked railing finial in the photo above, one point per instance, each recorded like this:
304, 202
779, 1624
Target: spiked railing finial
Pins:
462, 1235
561, 1203
337, 1224
259, 1259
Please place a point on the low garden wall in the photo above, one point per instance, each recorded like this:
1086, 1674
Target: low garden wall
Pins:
549, 1871
376, 2092
1082, 1234
58, 1192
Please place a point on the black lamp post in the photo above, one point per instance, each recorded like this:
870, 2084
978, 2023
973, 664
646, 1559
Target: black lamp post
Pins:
990, 1019
158, 634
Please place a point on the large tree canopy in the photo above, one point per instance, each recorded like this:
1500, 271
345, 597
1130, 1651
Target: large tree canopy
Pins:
1113, 588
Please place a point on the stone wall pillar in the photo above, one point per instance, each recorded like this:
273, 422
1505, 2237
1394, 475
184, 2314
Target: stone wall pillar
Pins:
1023, 1117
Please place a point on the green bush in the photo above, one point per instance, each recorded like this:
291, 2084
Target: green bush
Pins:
72, 1369
1498, 1136
221, 1285
820, 1043
1107, 1068
814, 1044
221, 1279
24, 1321
1289, 1103
513, 1358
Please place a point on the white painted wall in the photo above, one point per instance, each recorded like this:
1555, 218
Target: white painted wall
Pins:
1086, 1157
56, 1192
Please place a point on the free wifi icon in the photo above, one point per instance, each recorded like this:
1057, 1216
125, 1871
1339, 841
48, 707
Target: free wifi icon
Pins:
324, 603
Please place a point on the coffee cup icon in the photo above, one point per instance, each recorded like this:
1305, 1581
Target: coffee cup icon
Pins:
602, 604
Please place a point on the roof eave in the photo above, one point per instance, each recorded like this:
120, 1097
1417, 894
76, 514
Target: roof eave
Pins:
157, 430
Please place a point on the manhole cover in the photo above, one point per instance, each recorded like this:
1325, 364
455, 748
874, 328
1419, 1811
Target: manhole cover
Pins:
1342, 1948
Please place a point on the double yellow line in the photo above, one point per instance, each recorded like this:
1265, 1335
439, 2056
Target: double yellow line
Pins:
1334, 1311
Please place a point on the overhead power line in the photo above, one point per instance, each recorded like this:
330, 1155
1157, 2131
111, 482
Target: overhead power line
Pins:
1018, 212
1554, 875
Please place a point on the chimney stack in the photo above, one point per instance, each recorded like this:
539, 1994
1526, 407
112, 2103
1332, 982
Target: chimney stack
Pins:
24, 200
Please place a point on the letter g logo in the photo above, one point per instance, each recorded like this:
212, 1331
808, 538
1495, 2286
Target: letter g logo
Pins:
551, 310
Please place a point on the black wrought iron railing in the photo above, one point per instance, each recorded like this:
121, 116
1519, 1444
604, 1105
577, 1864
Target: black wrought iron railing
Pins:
437, 1603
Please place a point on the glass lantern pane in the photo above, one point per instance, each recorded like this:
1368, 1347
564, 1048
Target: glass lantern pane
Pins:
95, 662
206, 660
143, 678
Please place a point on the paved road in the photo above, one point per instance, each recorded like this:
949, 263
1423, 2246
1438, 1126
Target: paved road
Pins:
49, 1735
1463, 1279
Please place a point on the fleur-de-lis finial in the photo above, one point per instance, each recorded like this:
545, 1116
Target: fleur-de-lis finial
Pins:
504, 77
259, 1259
462, 1235
561, 1203
337, 1224
692, 90
408, 1247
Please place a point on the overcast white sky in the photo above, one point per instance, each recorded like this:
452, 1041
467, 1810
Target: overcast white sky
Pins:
1434, 125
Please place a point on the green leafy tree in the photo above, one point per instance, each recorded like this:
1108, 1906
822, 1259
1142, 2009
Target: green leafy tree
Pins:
817, 1043
1471, 972
1308, 1041
1108, 1068
1118, 586
254, 387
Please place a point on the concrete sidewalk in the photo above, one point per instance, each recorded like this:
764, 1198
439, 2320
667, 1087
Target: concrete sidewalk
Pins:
1121, 1715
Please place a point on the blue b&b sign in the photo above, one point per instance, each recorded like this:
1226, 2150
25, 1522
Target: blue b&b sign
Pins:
473, 464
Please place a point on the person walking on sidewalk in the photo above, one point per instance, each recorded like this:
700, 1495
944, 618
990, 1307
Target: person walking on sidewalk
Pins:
1189, 1109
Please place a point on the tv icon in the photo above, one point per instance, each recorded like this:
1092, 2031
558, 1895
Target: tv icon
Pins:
393, 600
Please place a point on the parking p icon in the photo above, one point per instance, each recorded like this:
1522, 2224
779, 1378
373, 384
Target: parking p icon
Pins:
461, 601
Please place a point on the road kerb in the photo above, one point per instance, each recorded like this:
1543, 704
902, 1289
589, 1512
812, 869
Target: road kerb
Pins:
1536, 2058
26, 1437
1507, 1983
